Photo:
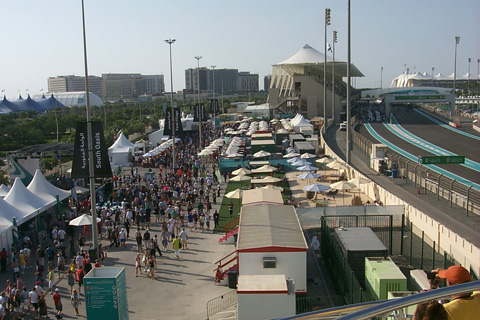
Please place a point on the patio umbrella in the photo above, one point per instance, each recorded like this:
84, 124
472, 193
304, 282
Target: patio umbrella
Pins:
309, 175
291, 155
235, 155
294, 159
307, 167
235, 194
336, 165
300, 162
307, 155
261, 154
358, 181
316, 187
271, 186
83, 220
343, 185
241, 178
264, 169
324, 160
241, 172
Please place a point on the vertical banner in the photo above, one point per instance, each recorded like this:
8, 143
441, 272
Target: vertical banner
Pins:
178, 121
203, 113
101, 161
164, 107
195, 113
214, 106
167, 130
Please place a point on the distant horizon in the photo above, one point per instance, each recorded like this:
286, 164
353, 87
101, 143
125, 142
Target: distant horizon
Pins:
127, 37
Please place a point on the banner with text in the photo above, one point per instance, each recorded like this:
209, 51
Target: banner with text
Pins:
101, 161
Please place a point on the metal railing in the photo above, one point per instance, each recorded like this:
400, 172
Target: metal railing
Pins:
363, 311
221, 303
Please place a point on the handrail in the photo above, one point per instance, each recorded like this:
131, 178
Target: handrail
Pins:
228, 255
379, 308
226, 263
395, 304
228, 226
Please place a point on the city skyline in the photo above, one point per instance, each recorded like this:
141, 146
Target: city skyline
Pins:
45, 39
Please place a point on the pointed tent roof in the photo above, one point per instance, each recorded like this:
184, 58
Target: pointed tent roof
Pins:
4, 190
50, 103
28, 105
121, 145
44, 189
7, 106
27, 202
309, 56
8, 212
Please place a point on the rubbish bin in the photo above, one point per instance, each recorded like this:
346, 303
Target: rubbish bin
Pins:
92, 254
232, 279
394, 173
235, 237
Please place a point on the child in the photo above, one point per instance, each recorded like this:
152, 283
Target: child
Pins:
75, 299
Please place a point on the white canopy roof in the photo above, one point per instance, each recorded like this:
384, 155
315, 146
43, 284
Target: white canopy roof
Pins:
44, 189
121, 145
26, 201
8, 212
4, 190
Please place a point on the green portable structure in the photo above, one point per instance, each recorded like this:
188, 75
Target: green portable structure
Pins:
383, 276
106, 294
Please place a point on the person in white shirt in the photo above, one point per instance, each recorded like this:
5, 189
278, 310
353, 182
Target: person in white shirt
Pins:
33, 298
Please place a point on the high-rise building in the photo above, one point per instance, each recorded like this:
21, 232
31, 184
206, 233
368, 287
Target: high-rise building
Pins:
123, 85
248, 81
72, 83
226, 80
266, 82
155, 84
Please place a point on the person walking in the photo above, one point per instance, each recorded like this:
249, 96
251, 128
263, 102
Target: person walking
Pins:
216, 218
138, 265
230, 209
183, 238
75, 300
176, 246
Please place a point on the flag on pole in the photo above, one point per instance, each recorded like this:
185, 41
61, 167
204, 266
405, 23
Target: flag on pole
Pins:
3, 90
329, 47
41, 89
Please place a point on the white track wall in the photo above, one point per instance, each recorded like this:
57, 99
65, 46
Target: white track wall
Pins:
447, 241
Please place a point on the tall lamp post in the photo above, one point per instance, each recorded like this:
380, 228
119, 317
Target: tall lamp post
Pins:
381, 81
349, 132
91, 163
327, 23
334, 40
433, 69
457, 41
213, 90
198, 95
170, 42
468, 80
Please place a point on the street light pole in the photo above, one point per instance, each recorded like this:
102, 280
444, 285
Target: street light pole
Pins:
334, 40
457, 41
381, 81
433, 69
468, 80
170, 42
327, 23
198, 95
213, 89
91, 162
348, 135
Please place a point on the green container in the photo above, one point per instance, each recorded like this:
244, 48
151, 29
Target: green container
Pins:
383, 276
106, 294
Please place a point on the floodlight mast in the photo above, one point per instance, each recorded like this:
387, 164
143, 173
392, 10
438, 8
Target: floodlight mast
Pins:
170, 42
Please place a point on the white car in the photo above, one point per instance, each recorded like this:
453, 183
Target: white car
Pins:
343, 126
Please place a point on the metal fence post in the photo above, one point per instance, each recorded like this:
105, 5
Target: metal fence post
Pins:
421, 255
468, 198
451, 193
433, 256
411, 243
444, 259
391, 234
438, 185
401, 234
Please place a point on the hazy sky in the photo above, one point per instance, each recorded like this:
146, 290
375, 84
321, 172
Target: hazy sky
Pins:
41, 39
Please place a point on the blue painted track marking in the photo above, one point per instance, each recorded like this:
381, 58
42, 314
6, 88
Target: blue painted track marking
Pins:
415, 158
446, 126
406, 135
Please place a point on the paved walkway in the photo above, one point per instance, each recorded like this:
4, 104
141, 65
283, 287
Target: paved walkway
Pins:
181, 288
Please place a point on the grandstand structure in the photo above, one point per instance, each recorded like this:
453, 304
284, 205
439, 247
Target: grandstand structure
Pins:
297, 84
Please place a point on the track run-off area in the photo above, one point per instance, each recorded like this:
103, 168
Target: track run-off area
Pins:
414, 134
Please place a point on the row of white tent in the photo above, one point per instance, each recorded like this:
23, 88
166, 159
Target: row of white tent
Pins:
24, 203
404, 80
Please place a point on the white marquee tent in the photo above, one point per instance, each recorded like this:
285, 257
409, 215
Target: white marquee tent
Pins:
121, 151
44, 189
299, 122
